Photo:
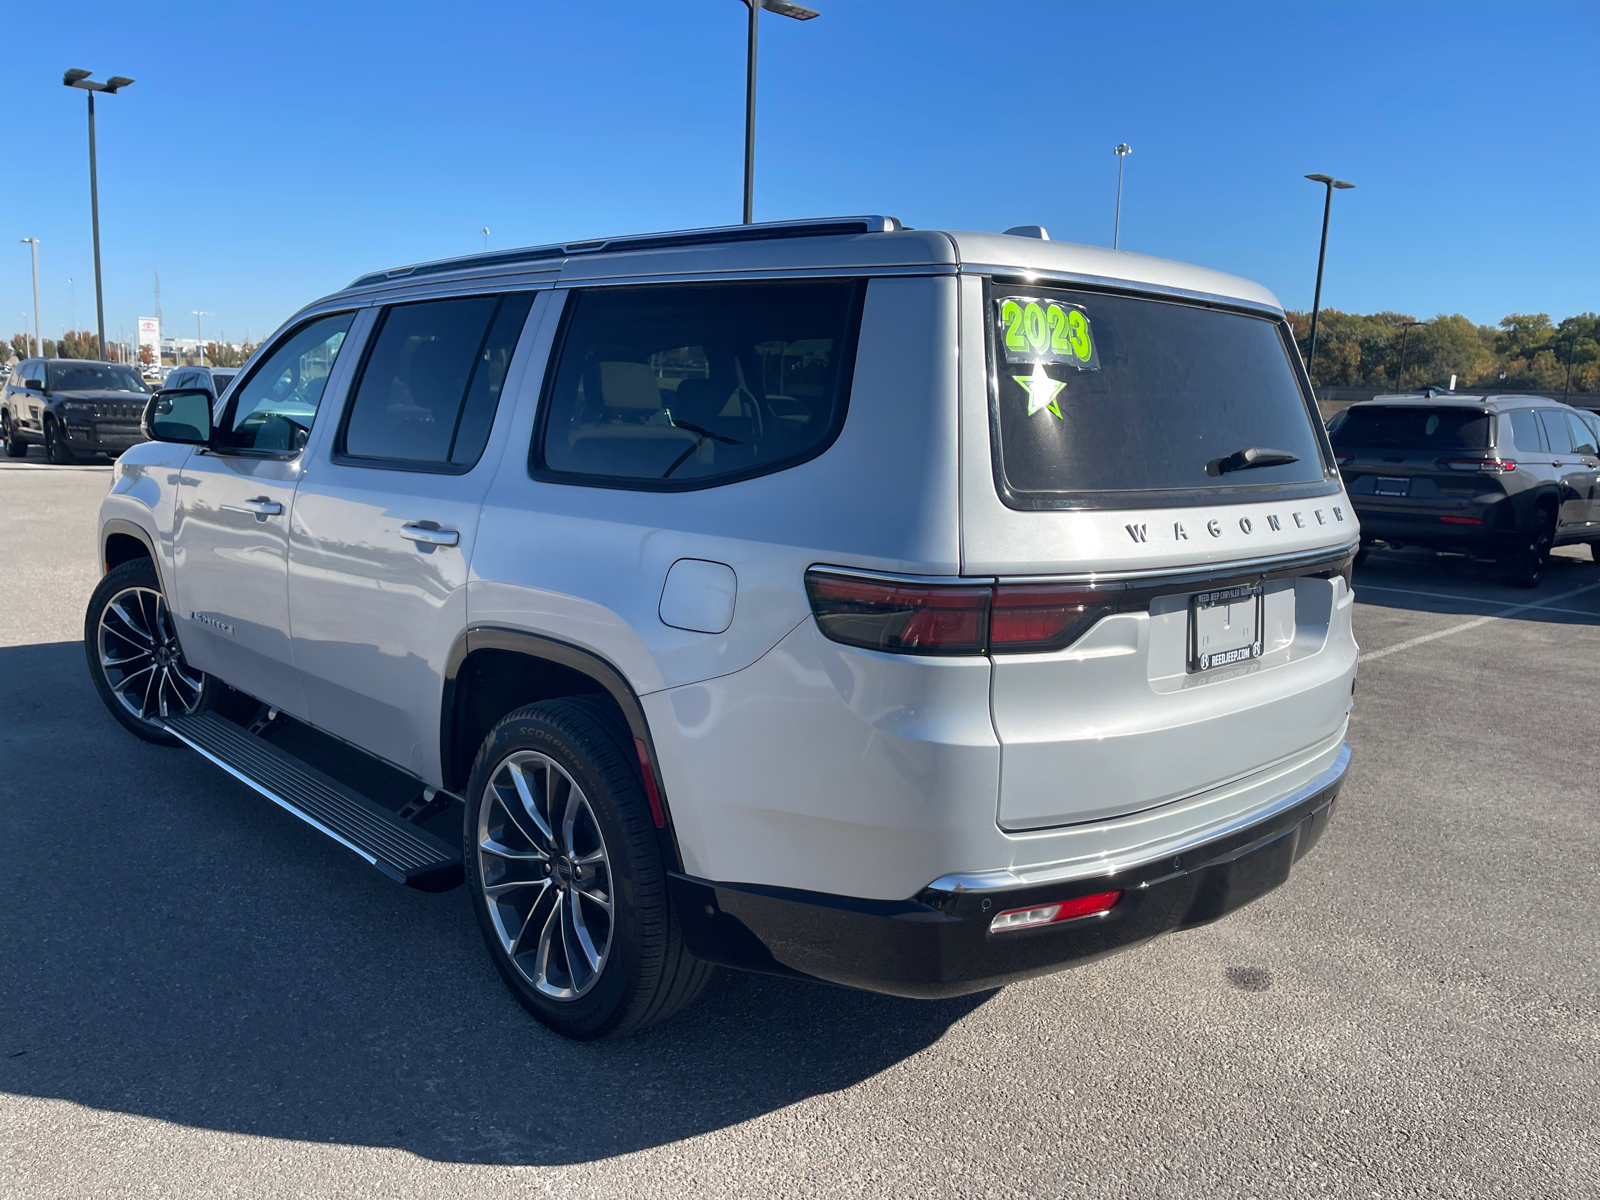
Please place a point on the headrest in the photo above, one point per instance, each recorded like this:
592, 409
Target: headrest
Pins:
629, 385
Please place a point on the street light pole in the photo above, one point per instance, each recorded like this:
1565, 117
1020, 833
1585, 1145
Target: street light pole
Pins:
1405, 336
199, 341
1316, 300
1121, 150
38, 330
784, 9
79, 78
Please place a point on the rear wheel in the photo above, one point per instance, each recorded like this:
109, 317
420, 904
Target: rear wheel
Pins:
15, 446
566, 877
56, 449
132, 646
1525, 565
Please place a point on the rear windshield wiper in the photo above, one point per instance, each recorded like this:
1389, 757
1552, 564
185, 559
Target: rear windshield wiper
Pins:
1253, 456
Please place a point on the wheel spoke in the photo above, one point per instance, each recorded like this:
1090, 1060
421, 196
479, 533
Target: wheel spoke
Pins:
548, 933
121, 663
490, 846
499, 889
129, 678
538, 917
599, 899
573, 930
137, 630
530, 804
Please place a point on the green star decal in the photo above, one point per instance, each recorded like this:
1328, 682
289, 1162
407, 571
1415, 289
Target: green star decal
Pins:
1042, 391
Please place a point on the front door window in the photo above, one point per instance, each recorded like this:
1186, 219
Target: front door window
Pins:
273, 412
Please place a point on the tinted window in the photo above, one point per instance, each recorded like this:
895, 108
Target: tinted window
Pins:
1385, 427
1100, 396
1525, 434
274, 408
682, 386
1555, 430
1582, 436
432, 381
94, 377
221, 379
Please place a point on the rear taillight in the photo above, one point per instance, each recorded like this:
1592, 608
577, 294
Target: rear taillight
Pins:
1497, 465
1461, 520
953, 618
1053, 914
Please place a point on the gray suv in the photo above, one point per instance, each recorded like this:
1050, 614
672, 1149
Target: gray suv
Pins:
914, 611
1507, 477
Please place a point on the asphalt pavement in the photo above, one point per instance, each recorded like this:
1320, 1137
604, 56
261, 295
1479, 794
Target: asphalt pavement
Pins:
201, 997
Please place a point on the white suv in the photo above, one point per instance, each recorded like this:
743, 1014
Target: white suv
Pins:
917, 611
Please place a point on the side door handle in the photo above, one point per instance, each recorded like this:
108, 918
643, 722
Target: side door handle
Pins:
263, 506
414, 532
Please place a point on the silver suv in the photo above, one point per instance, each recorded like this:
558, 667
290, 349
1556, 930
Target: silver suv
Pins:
915, 611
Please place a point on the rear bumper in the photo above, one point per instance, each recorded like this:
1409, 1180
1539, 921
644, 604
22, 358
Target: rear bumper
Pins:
938, 942
1430, 530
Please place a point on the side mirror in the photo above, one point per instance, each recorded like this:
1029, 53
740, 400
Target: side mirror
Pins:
33, 385
181, 415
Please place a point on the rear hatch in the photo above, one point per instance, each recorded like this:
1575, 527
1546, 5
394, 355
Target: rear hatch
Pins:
1432, 462
1159, 469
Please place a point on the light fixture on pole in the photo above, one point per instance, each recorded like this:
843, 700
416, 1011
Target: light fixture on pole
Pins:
79, 78
1405, 335
1121, 150
1330, 183
199, 341
38, 330
485, 232
784, 9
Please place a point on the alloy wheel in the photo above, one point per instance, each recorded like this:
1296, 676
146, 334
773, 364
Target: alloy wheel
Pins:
140, 656
545, 874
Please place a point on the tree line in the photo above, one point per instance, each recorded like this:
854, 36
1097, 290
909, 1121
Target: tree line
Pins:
1525, 352
84, 344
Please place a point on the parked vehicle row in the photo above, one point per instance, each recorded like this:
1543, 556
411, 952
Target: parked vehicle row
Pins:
1507, 477
910, 610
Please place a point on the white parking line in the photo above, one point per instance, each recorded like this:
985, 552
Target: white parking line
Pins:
1473, 624
1372, 587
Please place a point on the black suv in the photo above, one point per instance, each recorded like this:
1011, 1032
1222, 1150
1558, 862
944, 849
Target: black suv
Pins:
1503, 476
72, 406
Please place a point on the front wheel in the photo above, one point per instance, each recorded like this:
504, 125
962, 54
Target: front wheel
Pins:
1525, 565
566, 876
56, 450
132, 646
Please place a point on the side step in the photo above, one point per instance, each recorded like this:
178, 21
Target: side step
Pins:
398, 848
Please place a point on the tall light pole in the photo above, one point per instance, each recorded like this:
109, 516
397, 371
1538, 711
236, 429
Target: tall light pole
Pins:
1405, 335
38, 330
784, 9
1121, 150
79, 78
199, 341
72, 291
1330, 183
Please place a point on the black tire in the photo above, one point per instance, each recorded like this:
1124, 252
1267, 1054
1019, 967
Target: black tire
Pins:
1525, 565
645, 974
56, 450
15, 446
140, 678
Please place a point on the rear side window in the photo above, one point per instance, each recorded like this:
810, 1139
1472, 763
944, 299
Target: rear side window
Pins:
1525, 434
1398, 427
674, 387
1583, 439
432, 380
1555, 430
1104, 400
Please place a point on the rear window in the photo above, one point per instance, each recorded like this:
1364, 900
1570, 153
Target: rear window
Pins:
1104, 400
1421, 428
674, 387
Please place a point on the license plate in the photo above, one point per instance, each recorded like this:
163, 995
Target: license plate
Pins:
1224, 628
1391, 487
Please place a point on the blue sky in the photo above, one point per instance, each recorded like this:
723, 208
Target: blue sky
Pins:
268, 154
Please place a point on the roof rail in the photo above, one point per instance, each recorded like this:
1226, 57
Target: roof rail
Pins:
720, 234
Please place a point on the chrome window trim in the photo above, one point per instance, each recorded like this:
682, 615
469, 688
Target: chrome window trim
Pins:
1006, 878
1111, 283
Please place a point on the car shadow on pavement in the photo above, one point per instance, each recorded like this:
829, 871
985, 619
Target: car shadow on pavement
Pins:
173, 946
1419, 581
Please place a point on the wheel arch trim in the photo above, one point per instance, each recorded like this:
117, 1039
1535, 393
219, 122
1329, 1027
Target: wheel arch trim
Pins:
564, 654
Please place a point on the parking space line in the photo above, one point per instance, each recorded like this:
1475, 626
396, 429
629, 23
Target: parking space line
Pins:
1372, 587
1473, 624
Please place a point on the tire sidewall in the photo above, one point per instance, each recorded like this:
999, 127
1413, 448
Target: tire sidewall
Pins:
614, 798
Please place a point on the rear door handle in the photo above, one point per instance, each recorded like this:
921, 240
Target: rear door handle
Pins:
430, 537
